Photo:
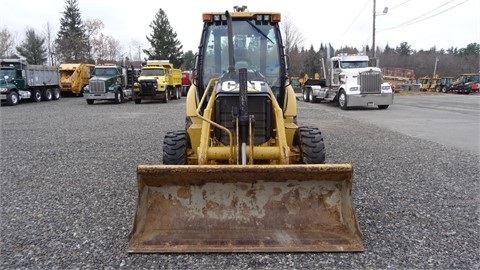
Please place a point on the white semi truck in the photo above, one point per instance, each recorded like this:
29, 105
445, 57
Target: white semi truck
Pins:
350, 81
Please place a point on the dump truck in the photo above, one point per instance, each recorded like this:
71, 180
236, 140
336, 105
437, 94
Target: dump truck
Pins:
350, 81
187, 77
22, 81
243, 176
108, 82
158, 80
74, 77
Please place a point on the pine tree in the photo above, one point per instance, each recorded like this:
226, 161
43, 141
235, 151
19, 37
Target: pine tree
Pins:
33, 48
163, 41
72, 42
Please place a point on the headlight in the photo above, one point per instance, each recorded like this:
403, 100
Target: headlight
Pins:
386, 89
3, 90
355, 88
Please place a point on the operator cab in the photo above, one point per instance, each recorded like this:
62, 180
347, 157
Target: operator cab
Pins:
256, 46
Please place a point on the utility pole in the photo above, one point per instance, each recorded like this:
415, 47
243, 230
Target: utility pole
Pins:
435, 68
374, 54
385, 10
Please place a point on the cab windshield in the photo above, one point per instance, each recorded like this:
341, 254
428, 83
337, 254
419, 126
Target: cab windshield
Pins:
255, 48
105, 72
354, 64
152, 72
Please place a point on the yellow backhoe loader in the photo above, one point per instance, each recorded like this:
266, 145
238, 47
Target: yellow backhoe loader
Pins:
242, 176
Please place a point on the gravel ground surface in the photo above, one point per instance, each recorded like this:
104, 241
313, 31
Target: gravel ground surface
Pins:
68, 191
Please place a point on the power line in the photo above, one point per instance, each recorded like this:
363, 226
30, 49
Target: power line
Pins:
399, 4
414, 20
348, 28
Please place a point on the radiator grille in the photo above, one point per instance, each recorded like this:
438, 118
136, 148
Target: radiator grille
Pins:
259, 106
370, 82
97, 87
148, 87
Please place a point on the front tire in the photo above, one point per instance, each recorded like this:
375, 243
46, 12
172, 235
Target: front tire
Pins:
119, 97
12, 98
382, 107
90, 101
310, 142
175, 146
166, 97
342, 100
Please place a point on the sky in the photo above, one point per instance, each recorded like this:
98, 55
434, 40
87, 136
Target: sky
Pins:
422, 23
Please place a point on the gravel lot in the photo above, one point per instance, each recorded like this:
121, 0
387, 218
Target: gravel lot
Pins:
68, 191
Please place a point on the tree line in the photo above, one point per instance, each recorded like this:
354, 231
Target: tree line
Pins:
83, 41
445, 63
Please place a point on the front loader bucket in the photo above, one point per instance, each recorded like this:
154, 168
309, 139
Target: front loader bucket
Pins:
252, 208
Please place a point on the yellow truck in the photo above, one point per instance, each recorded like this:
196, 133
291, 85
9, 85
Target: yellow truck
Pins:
158, 80
73, 77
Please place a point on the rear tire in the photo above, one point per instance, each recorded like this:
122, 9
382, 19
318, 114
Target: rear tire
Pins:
311, 98
47, 95
90, 101
306, 95
178, 93
36, 95
311, 145
55, 94
175, 145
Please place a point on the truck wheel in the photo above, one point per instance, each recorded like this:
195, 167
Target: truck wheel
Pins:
178, 92
90, 101
306, 95
444, 89
166, 97
311, 98
36, 95
342, 100
47, 95
119, 97
438, 89
382, 107
175, 145
310, 141
12, 98
55, 94
137, 101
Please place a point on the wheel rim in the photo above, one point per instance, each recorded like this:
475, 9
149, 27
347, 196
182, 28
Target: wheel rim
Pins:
14, 99
341, 100
48, 94
38, 95
305, 95
310, 95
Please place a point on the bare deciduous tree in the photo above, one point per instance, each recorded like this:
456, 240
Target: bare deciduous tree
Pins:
292, 36
50, 44
7, 43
